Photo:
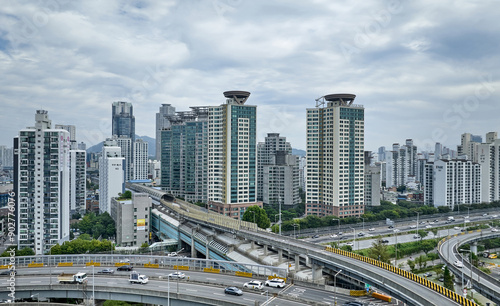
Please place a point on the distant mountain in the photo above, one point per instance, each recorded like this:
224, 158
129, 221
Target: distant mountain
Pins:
298, 152
151, 145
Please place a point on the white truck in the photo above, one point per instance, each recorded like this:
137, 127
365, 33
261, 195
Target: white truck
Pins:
138, 278
68, 278
451, 219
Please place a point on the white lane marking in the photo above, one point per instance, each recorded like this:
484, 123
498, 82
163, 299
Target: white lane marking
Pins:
248, 299
211, 278
192, 290
237, 283
35, 282
218, 293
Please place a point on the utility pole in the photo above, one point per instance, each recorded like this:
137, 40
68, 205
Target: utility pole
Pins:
279, 222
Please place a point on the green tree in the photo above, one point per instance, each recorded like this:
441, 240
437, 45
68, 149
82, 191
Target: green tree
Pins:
411, 264
379, 251
448, 280
257, 214
115, 303
427, 246
421, 261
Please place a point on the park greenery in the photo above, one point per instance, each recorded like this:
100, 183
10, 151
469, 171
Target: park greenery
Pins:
100, 226
258, 215
81, 245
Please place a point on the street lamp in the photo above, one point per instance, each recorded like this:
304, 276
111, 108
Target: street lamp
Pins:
279, 222
354, 244
418, 213
294, 226
339, 224
335, 285
363, 223
470, 262
37, 298
253, 211
93, 285
396, 245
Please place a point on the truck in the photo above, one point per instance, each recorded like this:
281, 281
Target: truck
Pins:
69, 278
138, 278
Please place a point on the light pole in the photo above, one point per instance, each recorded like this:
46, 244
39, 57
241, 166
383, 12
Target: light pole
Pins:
294, 226
396, 245
37, 298
279, 221
253, 211
335, 285
93, 286
363, 223
418, 213
470, 263
354, 244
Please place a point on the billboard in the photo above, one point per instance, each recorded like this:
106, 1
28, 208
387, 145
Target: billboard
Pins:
141, 224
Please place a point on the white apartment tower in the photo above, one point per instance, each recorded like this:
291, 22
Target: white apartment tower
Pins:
335, 148
452, 182
232, 155
125, 143
162, 122
111, 174
41, 183
78, 187
140, 160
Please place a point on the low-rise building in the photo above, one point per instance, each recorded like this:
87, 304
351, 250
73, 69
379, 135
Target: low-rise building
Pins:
132, 219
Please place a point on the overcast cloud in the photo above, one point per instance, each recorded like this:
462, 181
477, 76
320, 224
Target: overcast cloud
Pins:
427, 70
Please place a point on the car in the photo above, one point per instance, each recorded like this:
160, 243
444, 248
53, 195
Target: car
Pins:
416, 236
494, 216
456, 228
125, 268
423, 222
361, 234
340, 233
233, 291
350, 244
275, 282
466, 217
396, 230
413, 226
493, 256
427, 274
254, 284
391, 226
466, 221
106, 271
316, 236
428, 226
437, 220
441, 279
8, 272
494, 229
371, 229
484, 215
385, 241
333, 236
458, 264
431, 222
177, 274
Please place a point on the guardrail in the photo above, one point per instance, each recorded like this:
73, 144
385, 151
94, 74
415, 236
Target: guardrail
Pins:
418, 279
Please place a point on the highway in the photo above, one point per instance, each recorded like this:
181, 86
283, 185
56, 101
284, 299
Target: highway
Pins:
199, 284
485, 284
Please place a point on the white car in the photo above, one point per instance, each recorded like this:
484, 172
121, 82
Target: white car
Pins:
413, 226
494, 229
333, 236
428, 226
456, 228
179, 275
254, 284
275, 282
396, 230
466, 221
350, 244
371, 229
458, 264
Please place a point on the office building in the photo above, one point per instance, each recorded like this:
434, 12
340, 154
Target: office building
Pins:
131, 217
232, 155
274, 150
41, 184
78, 176
111, 174
6, 157
452, 182
184, 154
335, 148
162, 123
123, 129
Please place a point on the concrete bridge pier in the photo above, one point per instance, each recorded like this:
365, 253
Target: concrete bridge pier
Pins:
265, 249
280, 255
317, 272
473, 248
193, 248
207, 248
297, 263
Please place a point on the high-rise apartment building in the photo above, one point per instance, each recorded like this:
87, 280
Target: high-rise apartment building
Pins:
162, 122
6, 157
68, 127
372, 181
335, 148
141, 170
78, 187
232, 155
184, 154
401, 164
278, 171
123, 128
111, 174
41, 184
452, 182
126, 148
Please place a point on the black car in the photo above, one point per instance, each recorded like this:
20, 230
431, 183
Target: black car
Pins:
315, 236
125, 268
7, 272
233, 291
391, 226
385, 241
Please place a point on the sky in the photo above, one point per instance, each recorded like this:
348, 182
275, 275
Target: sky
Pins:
425, 70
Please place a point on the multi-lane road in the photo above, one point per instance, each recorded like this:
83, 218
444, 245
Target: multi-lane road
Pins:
199, 284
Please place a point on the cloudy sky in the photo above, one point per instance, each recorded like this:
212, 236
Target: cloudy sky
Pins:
427, 70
